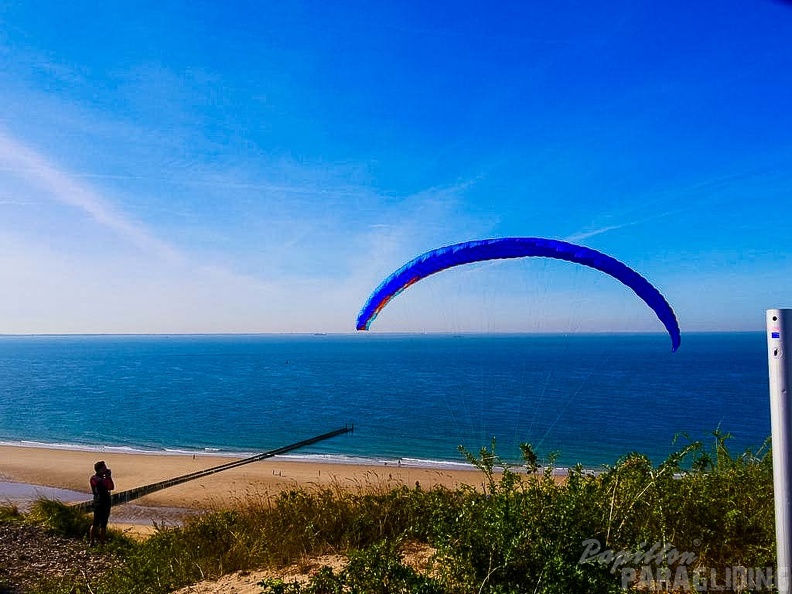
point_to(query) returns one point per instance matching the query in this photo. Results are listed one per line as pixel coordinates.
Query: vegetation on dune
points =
(524, 531)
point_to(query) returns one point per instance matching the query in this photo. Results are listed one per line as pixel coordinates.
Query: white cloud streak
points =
(30, 165)
(583, 235)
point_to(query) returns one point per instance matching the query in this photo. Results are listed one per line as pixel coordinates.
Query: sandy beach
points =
(71, 469)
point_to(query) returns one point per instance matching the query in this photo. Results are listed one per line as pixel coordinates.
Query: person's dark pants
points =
(101, 515)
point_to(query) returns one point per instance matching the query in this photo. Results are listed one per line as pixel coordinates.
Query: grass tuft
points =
(59, 518)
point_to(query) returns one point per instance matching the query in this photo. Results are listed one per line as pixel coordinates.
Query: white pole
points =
(779, 353)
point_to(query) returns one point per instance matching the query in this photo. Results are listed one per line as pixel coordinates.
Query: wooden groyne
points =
(132, 494)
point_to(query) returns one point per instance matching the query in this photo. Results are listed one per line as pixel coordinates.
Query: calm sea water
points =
(590, 398)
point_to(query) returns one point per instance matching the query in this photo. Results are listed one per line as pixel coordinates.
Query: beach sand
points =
(71, 469)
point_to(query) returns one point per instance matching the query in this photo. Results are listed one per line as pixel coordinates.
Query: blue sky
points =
(261, 167)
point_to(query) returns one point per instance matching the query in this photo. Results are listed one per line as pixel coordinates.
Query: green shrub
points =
(525, 531)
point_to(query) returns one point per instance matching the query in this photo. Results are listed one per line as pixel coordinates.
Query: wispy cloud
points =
(699, 194)
(15, 203)
(35, 168)
(589, 233)
(593, 232)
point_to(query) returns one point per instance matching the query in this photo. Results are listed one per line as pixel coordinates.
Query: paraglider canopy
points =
(516, 247)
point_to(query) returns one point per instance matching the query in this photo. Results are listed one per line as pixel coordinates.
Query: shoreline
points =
(230, 455)
(227, 455)
(70, 469)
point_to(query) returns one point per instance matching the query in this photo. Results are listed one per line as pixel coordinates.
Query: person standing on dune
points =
(101, 485)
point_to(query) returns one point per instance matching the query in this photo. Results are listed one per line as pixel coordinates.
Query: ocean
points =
(586, 399)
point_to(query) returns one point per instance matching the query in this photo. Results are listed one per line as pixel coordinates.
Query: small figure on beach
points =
(101, 485)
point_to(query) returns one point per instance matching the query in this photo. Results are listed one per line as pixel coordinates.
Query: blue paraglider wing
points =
(516, 247)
